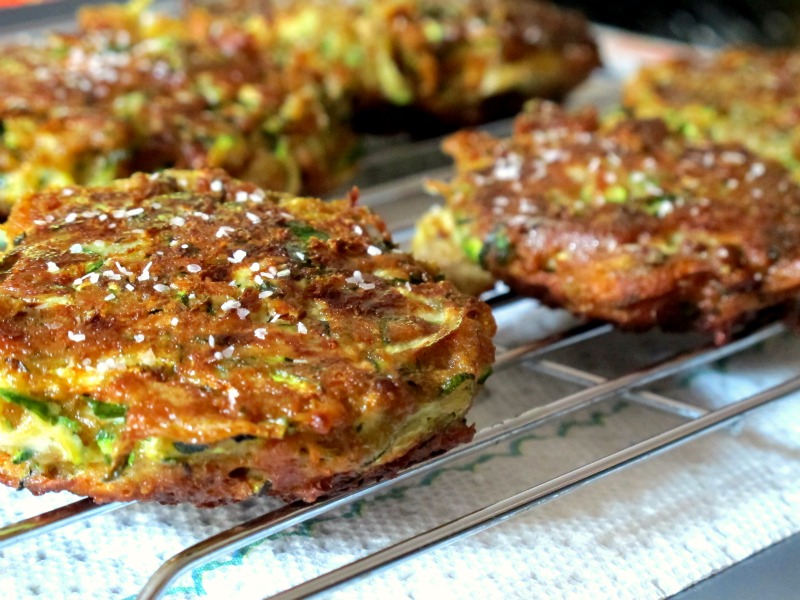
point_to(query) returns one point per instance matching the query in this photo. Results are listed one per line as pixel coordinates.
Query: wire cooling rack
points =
(553, 374)
(546, 368)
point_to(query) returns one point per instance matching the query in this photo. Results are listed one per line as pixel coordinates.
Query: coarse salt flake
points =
(160, 287)
(374, 251)
(260, 333)
(177, 221)
(76, 249)
(76, 337)
(356, 278)
(508, 167)
(302, 328)
(145, 273)
(230, 304)
(52, 267)
(194, 268)
(123, 270)
(237, 257)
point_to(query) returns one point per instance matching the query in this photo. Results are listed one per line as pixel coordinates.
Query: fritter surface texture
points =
(138, 91)
(449, 63)
(626, 222)
(187, 337)
(271, 92)
(750, 96)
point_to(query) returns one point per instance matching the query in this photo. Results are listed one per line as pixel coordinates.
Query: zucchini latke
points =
(134, 90)
(745, 95)
(621, 220)
(185, 337)
(446, 63)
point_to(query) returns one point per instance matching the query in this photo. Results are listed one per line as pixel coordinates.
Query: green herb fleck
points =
(305, 231)
(617, 194)
(108, 410)
(454, 382)
(473, 248)
(105, 442)
(22, 456)
(95, 266)
(41, 409)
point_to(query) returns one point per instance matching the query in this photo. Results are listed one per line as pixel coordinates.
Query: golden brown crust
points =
(744, 95)
(627, 223)
(223, 481)
(430, 65)
(135, 92)
(269, 95)
(194, 322)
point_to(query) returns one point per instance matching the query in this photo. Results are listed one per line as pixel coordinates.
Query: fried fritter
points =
(271, 95)
(188, 337)
(625, 222)
(445, 63)
(750, 96)
(133, 90)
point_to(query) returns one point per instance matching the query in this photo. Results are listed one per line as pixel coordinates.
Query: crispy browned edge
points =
(214, 484)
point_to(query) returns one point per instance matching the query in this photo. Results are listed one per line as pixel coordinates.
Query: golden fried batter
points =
(446, 63)
(750, 96)
(139, 91)
(626, 222)
(187, 337)
(271, 95)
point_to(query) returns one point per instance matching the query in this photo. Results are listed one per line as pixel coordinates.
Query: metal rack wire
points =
(696, 421)
(393, 199)
(399, 202)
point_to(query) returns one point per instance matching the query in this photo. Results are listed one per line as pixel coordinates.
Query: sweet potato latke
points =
(188, 337)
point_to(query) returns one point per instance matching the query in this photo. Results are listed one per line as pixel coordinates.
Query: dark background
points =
(707, 22)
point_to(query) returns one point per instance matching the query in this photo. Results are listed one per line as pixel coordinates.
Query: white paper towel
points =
(645, 532)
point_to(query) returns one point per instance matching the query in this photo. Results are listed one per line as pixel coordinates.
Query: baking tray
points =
(570, 405)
